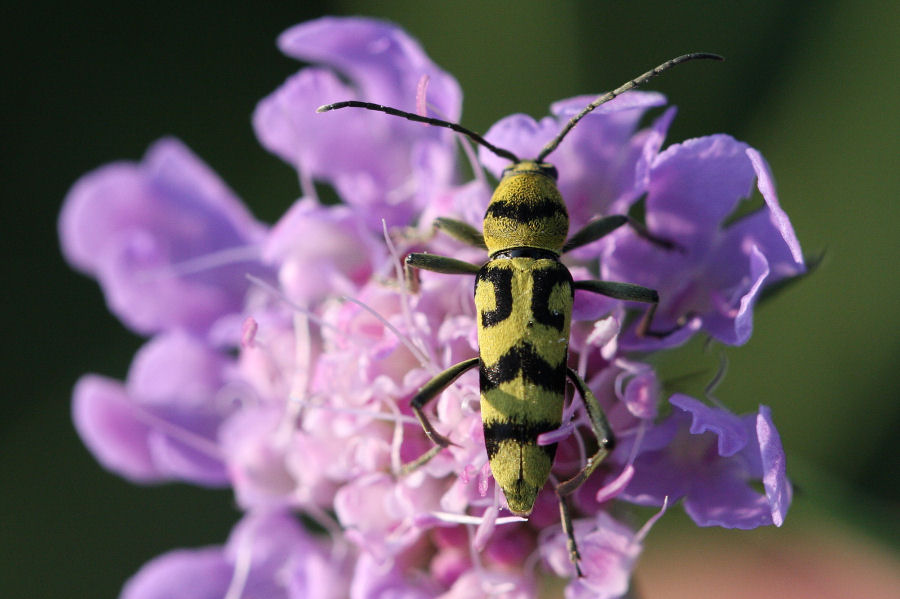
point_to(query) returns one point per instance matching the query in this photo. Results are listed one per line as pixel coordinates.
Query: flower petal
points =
(104, 417)
(774, 477)
(731, 319)
(322, 252)
(608, 552)
(167, 240)
(382, 60)
(597, 160)
(693, 186)
(163, 423)
(725, 425)
(380, 163)
(722, 497)
(779, 218)
(185, 574)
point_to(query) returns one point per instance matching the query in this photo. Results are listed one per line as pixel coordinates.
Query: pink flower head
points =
(283, 359)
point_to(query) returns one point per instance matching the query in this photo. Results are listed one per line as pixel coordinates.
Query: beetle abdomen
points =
(524, 310)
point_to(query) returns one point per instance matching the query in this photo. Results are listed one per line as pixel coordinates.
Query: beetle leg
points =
(429, 391)
(435, 263)
(569, 531)
(594, 230)
(602, 431)
(597, 229)
(460, 231)
(632, 293)
(605, 442)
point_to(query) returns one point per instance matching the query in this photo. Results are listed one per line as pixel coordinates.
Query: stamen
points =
(645, 529)
(301, 370)
(639, 438)
(396, 439)
(272, 290)
(416, 338)
(189, 438)
(484, 480)
(302, 355)
(217, 259)
(243, 561)
(716, 381)
(616, 486)
(484, 530)
(340, 547)
(373, 414)
(307, 187)
(248, 332)
(475, 556)
(555, 436)
(421, 94)
(418, 355)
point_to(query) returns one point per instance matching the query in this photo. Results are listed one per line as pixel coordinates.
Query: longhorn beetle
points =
(524, 296)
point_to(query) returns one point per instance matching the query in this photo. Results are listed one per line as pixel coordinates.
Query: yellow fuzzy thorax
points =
(526, 210)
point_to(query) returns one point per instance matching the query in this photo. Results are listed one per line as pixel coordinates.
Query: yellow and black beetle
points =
(524, 297)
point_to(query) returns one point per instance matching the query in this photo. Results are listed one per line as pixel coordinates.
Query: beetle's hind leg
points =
(600, 427)
(605, 443)
(566, 519)
(429, 391)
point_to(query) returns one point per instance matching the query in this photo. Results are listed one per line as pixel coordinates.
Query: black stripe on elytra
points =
(523, 433)
(526, 212)
(544, 281)
(522, 358)
(501, 279)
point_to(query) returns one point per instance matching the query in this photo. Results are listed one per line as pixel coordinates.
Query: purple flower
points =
(381, 166)
(283, 359)
(714, 278)
(609, 549)
(167, 240)
(710, 457)
(162, 424)
(267, 555)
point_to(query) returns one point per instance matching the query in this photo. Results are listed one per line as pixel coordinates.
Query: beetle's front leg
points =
(460, 231)
(597, 229)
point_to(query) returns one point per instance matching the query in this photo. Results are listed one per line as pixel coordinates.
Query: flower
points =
(282, 359)
(167, 240)
(716, 276)
(709, 456)
(267, 555)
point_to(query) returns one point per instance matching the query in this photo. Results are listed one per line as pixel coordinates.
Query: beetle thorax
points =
(526, 210)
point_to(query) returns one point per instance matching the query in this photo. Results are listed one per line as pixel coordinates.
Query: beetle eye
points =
(550, 171)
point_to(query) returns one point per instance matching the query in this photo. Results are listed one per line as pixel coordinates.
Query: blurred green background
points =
(814, 86)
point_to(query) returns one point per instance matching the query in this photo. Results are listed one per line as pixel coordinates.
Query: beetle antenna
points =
(422, 119)
(620, 90)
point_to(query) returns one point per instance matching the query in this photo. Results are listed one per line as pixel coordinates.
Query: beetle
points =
(524, 297)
